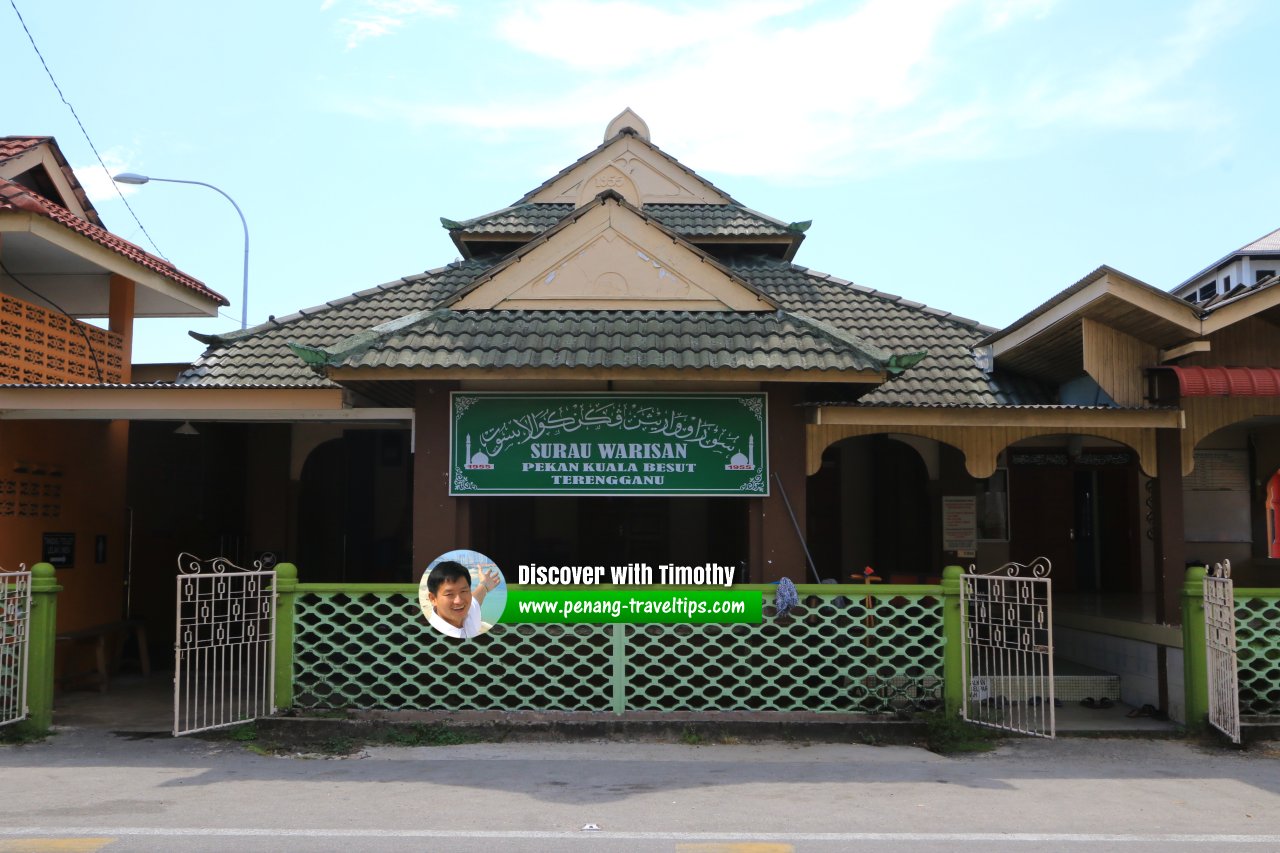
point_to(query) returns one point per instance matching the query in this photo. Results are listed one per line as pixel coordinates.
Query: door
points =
(1042, 519)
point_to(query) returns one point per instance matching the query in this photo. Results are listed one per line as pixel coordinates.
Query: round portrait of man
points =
(462, 594)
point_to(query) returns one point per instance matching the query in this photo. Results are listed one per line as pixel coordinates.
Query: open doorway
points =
(1079, 507)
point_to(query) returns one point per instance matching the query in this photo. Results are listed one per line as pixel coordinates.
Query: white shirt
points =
(470, 625)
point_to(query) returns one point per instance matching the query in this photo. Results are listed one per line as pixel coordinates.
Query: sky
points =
(977, 156)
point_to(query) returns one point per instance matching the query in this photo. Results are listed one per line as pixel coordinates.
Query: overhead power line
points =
(107, 171)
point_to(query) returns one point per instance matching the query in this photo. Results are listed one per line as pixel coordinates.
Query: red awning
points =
(1228, 381)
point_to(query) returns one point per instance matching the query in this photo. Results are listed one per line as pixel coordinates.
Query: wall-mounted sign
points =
(59, 550)
(960, 525)
(608, 444)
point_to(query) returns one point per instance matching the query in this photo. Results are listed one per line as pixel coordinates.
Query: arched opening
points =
(872, 503)
(354, 509)
(1231, 500)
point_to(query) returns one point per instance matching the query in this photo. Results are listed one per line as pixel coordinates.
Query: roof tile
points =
(17, 198)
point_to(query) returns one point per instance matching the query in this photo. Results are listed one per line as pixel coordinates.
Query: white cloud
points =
(1129, 91)
(792, 90)
(375, 18)
(607, 36)
(998, 14)
(97, 182)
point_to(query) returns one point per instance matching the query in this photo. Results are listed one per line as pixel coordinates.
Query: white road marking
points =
(516, 834)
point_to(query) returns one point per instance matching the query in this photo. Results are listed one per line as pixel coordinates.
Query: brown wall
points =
(776, 550)
(441, 522)
(74, 482)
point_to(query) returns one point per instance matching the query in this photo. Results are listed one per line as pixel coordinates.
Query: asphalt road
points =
(88, 790)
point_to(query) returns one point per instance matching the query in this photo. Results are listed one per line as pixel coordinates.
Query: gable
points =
(610, 257)
(36, 164)
(635, 170)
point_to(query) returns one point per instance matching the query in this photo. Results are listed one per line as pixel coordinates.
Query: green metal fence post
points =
(43, 638)
(619, 668)
(1195, 665)
(953, 641)
(286, 590)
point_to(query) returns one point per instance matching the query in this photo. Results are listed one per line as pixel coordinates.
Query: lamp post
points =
(136, 179)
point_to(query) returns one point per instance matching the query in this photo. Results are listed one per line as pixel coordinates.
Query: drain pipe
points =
(796, 525)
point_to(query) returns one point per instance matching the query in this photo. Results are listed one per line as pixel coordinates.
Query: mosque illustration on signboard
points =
(738, 462)
(478, 461)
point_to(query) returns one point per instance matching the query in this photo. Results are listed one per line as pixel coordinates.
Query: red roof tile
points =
(15, 197)
(12, 146)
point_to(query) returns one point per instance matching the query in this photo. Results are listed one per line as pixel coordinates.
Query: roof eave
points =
(1073, 299)
(595, 374)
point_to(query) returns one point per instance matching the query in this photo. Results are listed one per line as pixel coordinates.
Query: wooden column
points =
(120, 319)
(776, 549)
(439, 521)
(1170, 550)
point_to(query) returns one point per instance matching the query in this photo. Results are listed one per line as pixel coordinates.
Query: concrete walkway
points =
(135, 704)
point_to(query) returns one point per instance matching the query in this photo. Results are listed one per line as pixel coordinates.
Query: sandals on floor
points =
(1148, 711)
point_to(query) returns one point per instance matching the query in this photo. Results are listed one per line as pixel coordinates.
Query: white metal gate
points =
(1007, 662)
(15, 635)
(1220, 650)
(224, 667)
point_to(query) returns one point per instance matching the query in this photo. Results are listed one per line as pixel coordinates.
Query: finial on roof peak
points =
(627, 118)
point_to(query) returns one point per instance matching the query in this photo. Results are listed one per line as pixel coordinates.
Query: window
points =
(1226, 284)
(1263, 275)
(1208, 291)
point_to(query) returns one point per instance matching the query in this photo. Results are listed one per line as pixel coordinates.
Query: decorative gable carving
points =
(656, 178)
(612, 258)
(611, 177)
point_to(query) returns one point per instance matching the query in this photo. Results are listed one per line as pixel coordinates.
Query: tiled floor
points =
(1073, 717)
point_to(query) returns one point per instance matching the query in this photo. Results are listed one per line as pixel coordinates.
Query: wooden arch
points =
(981, 445)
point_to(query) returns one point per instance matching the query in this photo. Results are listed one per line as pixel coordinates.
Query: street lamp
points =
(135, 178)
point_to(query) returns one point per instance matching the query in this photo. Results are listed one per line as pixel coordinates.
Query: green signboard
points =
(608, 444)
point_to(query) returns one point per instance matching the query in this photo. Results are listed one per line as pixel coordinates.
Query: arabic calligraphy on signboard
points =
(682, 444)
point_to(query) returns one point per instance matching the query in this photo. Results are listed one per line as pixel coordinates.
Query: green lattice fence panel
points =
(831, 653)
(1258, 650)
(373, 650)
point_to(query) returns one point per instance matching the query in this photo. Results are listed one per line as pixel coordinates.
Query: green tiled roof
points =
(688, 220)
(947, 376)
(517, 220)
(260, 355)
(607, 339)
(815, 306)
